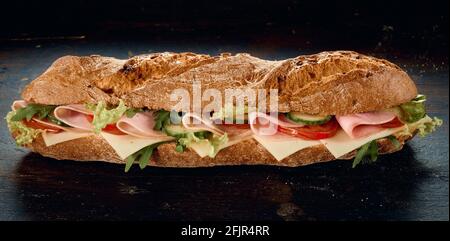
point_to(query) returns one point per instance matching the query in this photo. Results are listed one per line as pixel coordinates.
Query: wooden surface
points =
(409, 185)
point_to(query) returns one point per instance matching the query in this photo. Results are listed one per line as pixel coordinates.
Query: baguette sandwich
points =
(331, 105)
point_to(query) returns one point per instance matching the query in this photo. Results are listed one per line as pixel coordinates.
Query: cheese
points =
(341, 143)
(125, 145)
(202, 148)
(55, 138)
(284, 147)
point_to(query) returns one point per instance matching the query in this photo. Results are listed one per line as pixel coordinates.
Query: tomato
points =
(37, 125)
(393, 123)
(238, 126)
(312, 132)
(110, 128)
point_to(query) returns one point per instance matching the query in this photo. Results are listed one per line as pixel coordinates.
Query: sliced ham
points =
(21, 104)
(75, 115)
(267, 125)
(140, 125)
(364, 124)
(189, 122)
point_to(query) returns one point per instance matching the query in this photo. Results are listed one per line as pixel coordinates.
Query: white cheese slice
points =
(202, 148)
(341, 143)
(281, 149)
(125, 145)
(55, 138)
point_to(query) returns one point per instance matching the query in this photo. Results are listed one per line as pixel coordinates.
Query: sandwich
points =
(328, 106)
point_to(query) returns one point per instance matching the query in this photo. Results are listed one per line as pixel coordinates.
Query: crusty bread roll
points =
(328, 83)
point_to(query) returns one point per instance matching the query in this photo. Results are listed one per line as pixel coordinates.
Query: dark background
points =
(409, 185)
(383, 26)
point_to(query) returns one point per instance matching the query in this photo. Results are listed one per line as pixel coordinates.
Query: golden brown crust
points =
(95, 148)
(339, 82)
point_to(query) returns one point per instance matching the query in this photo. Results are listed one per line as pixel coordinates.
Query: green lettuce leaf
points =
(414, 110)
(162, 117)
(428, 125)
(25, 135)
(368, 151)
(142, 156)
(37, 111)
(132, 112)
(104, 116)
(424, 126)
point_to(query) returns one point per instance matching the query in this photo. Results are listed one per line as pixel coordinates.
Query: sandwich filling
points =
(135, 133)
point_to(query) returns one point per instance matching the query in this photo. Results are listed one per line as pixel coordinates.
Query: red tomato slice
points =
(239, 126)
(110, 128)
(36, 125)
(393, 123)
(312, 132)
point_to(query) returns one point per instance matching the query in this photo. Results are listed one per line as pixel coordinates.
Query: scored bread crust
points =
(95, 148)
(327, 83)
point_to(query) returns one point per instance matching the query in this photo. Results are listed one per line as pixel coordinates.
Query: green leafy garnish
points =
(394, 141)
(143, 157)
(162, 117)
(29, 111)
(130, 112)
(369, 150)
(37, 111)
(104, 116)
(428, 125)
(414, 110)
(180, 148)
(24, 134)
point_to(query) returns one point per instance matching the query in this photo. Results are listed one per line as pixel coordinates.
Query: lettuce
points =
(25, 135)
(209, 147)
(104, 116)
(414, 110)
(229, 113)
(370, 149)
(143, 156)
(427, 125)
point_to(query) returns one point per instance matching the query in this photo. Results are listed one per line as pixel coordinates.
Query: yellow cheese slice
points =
(55, 138)
(341, 143)
(281, 149)
(125, 145)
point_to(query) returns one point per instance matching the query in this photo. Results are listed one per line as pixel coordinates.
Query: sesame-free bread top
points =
(337, 82)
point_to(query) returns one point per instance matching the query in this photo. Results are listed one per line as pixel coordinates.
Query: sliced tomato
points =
(110, 128)
(239, 126)
(393, 123)
(37, 125)
(312, 132)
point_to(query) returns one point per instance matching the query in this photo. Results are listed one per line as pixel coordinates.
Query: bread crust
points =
(95, 148)
(328, 83)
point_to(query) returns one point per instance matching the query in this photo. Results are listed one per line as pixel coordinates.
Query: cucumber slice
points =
(308, 119)
(175, 130)
(179, 131)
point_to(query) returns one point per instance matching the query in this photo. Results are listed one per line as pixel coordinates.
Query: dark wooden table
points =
(409, 185)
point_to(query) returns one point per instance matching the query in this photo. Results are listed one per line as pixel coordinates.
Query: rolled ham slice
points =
(188, 121)
(364, 124)
(75, 115)
(263, 124)
(21, 104)
(140, 125)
